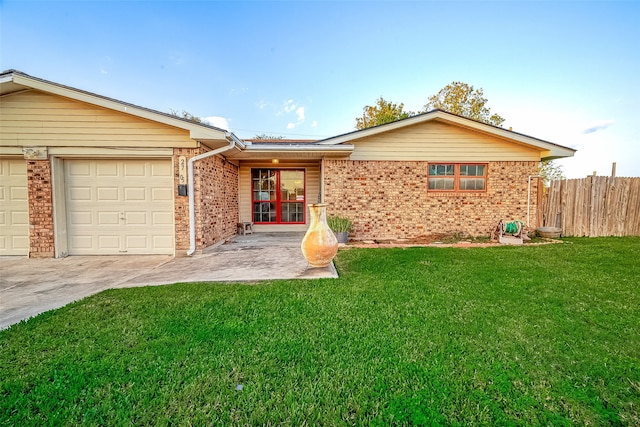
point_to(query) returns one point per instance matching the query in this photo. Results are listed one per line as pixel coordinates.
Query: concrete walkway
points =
(32, 286)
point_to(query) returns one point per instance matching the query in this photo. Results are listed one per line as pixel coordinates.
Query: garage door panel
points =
(135, 169)
(137, 242)
(106, 169)
(80, 218)
(108, 218)
(107, 193)
(165, 194)
(79, 169)
(158, 170)
(109, 243)
(115, 208)
(79, 193)
(135, 194)
(161, 218)
(14, 207)
(81, 242)
(137, 218)
(20, 218)
(19, 193)
(162, 242)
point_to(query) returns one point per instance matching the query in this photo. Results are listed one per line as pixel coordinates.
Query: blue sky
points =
(566, 72)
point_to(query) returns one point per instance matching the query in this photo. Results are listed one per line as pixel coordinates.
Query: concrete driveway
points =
(32, 286)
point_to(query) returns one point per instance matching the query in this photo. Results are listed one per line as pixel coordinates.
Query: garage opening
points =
(116, 207)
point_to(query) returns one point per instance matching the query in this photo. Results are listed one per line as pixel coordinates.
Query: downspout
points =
(192, 198)
(529, 196)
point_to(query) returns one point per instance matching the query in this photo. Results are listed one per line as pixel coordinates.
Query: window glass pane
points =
(471, 183)
(471, 170)
(440, 183)
(441, 170)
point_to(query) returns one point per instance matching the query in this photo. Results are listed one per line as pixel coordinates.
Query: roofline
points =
(198, 131)
(553, 150)
(300, 147)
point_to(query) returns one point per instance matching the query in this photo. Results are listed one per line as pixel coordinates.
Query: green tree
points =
(462, 99)
(187, 116)
(380, 113)
(550, 171)
(267, 137)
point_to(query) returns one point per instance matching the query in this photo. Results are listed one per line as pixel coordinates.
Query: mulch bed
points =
(436, 240)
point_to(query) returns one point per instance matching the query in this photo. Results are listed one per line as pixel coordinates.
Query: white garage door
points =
(119, 207)
(14, 207)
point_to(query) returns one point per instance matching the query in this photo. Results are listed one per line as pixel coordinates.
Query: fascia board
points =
(299, 148)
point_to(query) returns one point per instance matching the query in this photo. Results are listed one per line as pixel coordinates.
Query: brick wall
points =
(218, 213)
(181, 204)
(41, 233)
(216, 201)
(389, 200)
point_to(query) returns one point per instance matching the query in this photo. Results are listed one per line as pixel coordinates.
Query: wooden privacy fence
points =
(593, 206)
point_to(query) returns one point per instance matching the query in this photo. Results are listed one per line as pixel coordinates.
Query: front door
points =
(278, 196)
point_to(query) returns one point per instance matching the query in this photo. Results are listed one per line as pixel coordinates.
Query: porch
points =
(30, 286)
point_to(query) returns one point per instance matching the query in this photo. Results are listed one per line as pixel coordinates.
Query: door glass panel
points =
(292, 212)
(264, 212)
(291, 185)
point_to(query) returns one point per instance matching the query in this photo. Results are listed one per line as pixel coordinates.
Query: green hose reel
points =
(510, 232)
(514, 227)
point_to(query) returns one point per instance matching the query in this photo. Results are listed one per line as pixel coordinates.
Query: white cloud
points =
(598, 125)
(219, 122)
(262, 104)
(177, 58)
(289, 106)
(300, 114)
(314, 124)
(291, 125)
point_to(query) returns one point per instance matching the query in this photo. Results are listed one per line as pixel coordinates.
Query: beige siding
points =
(37, 118)
(436, 141)
(312, 176)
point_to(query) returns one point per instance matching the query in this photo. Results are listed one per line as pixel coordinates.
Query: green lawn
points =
(538, 335)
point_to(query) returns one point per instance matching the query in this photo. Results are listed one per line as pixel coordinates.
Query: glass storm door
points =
(278, 196)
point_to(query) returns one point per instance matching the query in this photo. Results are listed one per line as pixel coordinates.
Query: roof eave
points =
(548, 149)
(343, 148)
(197, 132)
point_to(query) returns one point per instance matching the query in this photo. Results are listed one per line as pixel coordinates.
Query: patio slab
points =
(32, 286)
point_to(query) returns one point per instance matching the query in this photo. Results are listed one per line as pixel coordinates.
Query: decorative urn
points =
(319, 244)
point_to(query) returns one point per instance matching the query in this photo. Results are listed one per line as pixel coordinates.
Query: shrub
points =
(339, 224)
